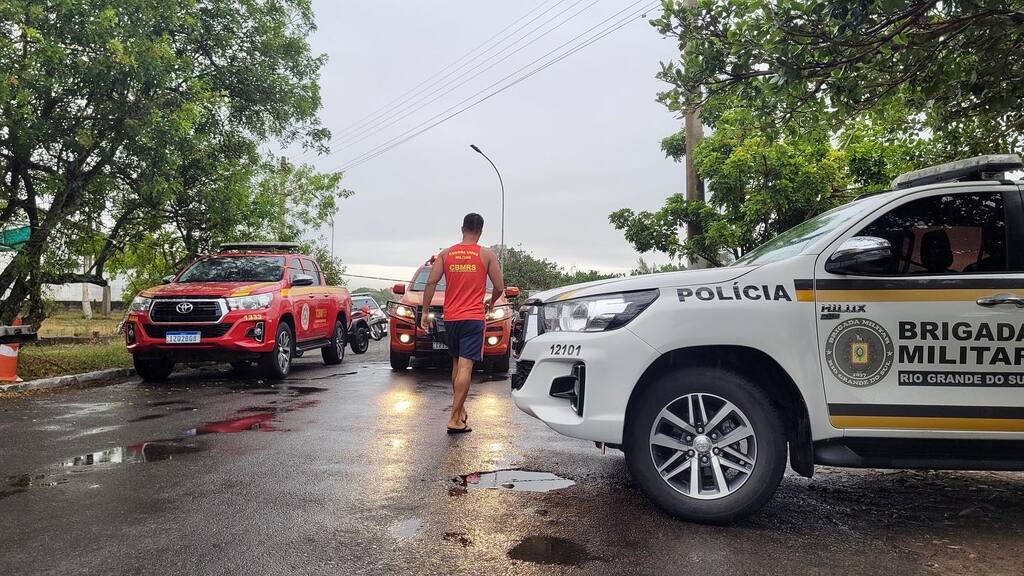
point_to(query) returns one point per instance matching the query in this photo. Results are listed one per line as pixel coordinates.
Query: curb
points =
(59, 381)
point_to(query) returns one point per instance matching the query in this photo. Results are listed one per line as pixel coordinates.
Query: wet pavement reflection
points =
(516, 480)
(351, 472)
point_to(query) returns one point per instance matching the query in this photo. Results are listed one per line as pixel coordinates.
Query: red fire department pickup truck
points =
(408, 340)
(251, 302)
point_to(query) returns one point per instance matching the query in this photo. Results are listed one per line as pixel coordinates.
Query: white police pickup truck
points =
(886, 333)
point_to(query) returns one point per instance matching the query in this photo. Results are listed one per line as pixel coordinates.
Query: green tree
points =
(529, 273)
(764, 181)
(270, 201)
(99, 99)
(643, 267)
(956, 64)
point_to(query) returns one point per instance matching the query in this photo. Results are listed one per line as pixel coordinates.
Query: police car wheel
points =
(706, 444)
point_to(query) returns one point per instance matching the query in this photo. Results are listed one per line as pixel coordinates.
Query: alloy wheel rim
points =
(284, 350)
(703, 446)
(339, 340)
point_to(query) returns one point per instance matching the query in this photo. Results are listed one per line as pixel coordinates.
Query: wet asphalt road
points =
(348, 470)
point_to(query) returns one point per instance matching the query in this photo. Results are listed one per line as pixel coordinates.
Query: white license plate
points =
(182, 338)
(440, 346)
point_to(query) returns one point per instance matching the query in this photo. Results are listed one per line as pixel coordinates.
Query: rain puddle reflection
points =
(249, 419)
(405, 529)
(551, 550)
(515, 480)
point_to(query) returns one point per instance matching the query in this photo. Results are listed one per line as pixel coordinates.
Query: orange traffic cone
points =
(9, 360)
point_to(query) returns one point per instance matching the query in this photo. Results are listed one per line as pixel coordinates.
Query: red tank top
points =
(465, 277)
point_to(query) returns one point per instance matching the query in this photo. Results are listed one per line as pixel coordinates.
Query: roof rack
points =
(988, 167)
(259, 247)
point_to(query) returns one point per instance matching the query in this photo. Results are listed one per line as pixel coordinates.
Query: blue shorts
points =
(465, 338)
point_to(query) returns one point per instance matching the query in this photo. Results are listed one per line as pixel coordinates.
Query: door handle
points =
(998, 299)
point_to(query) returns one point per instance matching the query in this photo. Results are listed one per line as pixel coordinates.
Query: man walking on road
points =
(466, 267)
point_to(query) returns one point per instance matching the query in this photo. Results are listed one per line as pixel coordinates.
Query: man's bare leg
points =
(463, 372)
(455, 376)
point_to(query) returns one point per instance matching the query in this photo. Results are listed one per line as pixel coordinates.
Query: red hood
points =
(210, 289)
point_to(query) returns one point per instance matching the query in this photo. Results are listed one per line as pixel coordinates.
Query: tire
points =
(334, 353)
(152, 370)
(277, 363)
(400, 361)
(500, 365)
(377, 332)
(751, 411)
(360, 340)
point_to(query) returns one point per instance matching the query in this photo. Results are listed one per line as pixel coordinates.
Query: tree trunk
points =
(86, 299)
(106, 302)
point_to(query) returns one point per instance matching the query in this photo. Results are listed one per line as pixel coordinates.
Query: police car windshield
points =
(236, 269)
(793, 241)
(420, 282)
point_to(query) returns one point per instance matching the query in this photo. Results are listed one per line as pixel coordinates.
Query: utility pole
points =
(694, 134)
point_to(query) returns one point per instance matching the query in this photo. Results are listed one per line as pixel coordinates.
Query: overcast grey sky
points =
(574, 142)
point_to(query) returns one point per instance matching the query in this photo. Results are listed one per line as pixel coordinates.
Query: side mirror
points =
(860, 255)
(398, 288)
(302, 280)
(511, 291)
(168, 279)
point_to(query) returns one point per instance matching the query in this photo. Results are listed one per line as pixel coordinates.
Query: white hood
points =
(645, 282)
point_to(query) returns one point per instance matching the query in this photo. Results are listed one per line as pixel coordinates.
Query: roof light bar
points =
(988, 167)
(259, 247)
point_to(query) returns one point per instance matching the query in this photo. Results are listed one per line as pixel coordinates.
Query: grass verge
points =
(67, 325)
(36, 362)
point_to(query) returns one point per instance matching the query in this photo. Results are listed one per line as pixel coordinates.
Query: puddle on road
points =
(405, 529)
(253, 419)
(551, 550)
(514, 480)
(459, 537)
(167, 402)
(146, 417)
(302, 390)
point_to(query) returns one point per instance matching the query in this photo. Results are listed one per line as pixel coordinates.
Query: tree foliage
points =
(270, 201)
(764, 181)
(529, 273)
(957, 63)
(812, 103)
(119, 118)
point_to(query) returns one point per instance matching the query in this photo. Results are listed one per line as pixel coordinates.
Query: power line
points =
(412, 92)
(418, 103)
(427, 125)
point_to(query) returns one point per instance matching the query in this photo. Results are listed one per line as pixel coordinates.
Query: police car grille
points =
(202, 311)
(523, 368)
(205, 331)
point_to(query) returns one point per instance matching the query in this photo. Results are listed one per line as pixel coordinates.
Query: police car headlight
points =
(256, 302)
(141, 304)
(595, 313)
(497, 314)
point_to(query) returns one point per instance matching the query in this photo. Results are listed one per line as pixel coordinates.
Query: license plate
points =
(182, 338)
(440, 346)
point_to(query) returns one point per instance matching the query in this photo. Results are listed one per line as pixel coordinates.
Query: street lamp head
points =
(473, 146)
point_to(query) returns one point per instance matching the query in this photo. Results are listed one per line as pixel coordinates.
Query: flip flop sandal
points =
(462, 430)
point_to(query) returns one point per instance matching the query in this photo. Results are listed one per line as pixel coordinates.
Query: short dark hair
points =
(473, 222)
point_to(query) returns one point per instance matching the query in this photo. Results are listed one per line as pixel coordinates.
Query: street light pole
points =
(502, 184)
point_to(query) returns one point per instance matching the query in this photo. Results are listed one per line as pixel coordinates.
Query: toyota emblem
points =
(184, 308)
